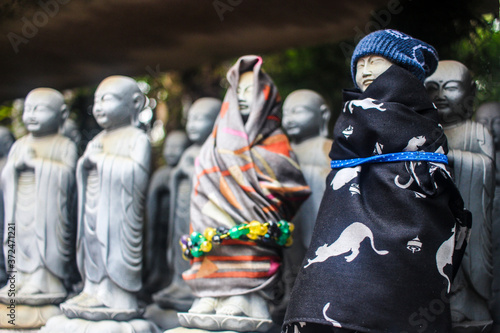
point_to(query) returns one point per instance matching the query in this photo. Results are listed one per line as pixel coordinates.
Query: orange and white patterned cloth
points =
(245, 171)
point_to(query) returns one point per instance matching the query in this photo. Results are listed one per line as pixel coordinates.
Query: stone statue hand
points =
(93, 154)
(27, 159)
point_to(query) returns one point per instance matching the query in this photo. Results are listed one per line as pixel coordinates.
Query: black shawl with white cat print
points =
(381, 255)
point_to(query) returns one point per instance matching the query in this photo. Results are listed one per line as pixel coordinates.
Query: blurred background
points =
(181, 50)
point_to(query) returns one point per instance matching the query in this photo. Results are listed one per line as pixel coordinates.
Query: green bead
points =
(282, 240)
(235, 233)
(196, 252)
(195, 236)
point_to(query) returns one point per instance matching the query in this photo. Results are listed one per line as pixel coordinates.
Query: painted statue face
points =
(489, 115)
(450, 90)
(369, 68)
(112, 104)
(43, 112)
(302, 116)
(245, 93)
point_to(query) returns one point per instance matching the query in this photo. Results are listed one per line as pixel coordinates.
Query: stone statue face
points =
(44, 112)
(245, 93)
(303, 115)
(488, 114)
(117, 101)
(369, 68)
(452, 91)
(201, 119)
(175, 144)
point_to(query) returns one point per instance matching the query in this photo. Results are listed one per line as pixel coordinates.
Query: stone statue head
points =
(368, 68)
(175, 144)
(305, 115)
(245, 93)
(44, 111)
(201, 118)
(71, 131)
(6, 141)
(452, 90)
(117, 102)
(488, 114)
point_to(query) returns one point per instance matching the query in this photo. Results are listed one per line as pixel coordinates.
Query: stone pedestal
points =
(26, 316)
(193, 330)
(62, 324)
(164, 318)
(219, 323)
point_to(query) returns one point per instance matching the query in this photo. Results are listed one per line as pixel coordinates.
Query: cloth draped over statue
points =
(42, 205)
(245, 171)
(388, 235)
(110, 208)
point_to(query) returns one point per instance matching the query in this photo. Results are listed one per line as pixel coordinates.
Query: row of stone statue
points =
(67, 218)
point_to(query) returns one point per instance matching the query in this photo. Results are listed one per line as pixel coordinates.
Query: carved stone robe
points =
(40, 202)
(111, 200)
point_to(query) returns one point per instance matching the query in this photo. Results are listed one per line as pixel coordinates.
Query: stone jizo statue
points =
(39, 186)
(200, 123)
(6, 141)
(112, 178)
(305, 120)
(471, 155)
(246, 177)
(158, 212)
(488, 114)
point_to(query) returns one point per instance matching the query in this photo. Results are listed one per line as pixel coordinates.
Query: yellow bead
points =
(262, 230)
(254, 227)
(291, 227)
(289, 241)
(209, 233)
(206, 246)
(252, 236)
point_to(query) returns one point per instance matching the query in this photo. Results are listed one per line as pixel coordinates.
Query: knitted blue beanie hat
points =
(418, 57)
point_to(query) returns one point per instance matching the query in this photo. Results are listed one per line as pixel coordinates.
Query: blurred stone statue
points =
(71, 131)
(6, 141)
(471, 156)
(39, 193)
(305, 120)
(112, 177)
(158, 212)
(200, 122)
(488, 114)
(38, 182)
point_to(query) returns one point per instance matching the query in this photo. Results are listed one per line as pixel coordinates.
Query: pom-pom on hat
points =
(418, 57)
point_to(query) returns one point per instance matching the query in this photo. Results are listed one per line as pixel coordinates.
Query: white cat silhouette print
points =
(415, 143)
(365, 104)
(333, 322)
(344, 176)
(444, 256)
(349, 241)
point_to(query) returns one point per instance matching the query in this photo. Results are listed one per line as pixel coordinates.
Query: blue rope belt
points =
(394, 157)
